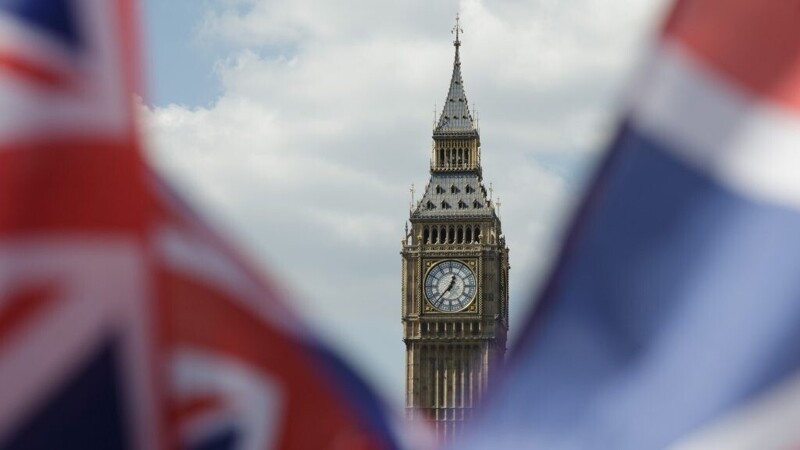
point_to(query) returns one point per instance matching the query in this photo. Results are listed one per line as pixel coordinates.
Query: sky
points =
(298, 127)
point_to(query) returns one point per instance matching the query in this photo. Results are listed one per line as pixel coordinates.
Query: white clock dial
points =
(450, 286)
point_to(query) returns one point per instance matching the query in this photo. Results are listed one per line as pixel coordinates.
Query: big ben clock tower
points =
(455, 276)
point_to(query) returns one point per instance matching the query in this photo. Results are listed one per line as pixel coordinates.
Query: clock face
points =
(450, 286)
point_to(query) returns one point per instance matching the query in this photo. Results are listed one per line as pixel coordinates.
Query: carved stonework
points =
(455, 333)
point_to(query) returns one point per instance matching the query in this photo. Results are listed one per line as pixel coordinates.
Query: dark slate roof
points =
(453, 195)
(456, 118)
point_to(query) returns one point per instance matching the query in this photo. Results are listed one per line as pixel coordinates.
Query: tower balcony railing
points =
(455, 166)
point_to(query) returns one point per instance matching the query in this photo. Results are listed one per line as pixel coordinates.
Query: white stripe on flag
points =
(745, 142)
(99, 287)
(96, 102)
(190, 253)
(769, 423)
(250, 400)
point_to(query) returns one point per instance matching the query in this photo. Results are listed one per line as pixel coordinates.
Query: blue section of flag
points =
(56, 17)
(675, 300)
(86, 412)
(227, 439)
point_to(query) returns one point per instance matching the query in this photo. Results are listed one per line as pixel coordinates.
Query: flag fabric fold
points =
(671, 316)
(125, 321)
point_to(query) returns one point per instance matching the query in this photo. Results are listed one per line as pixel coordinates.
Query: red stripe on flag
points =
(197, 406)
(754, 42)
(21, 305)
(81, 185)
(198, 316)
(32, 72)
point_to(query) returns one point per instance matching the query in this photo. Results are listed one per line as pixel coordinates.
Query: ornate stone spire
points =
(456, 118)
(455, 235)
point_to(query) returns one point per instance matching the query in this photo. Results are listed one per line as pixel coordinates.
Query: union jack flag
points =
(126, 322)
(671, 316)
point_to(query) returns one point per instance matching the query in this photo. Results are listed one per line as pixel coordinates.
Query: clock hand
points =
(452, 283)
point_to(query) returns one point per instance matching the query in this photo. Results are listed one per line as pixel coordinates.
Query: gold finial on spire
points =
(457, 30)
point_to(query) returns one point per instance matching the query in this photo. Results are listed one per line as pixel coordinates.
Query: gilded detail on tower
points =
(455, 276)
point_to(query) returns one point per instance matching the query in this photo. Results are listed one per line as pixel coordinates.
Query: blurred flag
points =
(672, 317)
(124, 321)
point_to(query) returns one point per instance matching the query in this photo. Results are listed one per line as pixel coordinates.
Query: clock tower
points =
(455, 276)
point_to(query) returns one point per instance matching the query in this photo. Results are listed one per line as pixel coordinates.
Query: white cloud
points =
(325, 121)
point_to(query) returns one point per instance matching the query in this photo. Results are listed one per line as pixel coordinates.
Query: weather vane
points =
(457, 29)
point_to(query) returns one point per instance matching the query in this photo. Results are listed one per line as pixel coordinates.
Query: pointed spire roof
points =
(456, 118)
